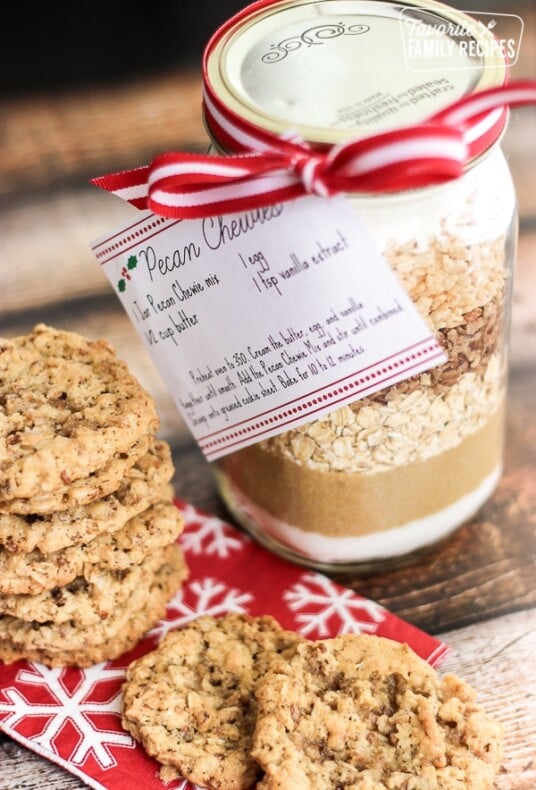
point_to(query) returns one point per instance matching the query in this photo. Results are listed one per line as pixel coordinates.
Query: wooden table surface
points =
(477, 591)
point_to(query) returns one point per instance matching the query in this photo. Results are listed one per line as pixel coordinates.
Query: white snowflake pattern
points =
(326, 600)
(208, 535)
(203, 596)
(73, 706)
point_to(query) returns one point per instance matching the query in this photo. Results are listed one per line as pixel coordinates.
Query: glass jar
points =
(384, 478)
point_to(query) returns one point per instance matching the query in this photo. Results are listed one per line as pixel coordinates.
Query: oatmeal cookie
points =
(33, 573)
(86, 600)
(365, 712)
(67, 644)
(67, 406)
(190, 702)
(141, 486)
(83, 491)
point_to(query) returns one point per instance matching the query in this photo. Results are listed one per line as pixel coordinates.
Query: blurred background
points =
(62, 45)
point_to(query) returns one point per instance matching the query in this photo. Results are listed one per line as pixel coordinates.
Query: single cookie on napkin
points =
(365, 711)
(191, 704)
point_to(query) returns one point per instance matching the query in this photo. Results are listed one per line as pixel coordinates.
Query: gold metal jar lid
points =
(330, 70)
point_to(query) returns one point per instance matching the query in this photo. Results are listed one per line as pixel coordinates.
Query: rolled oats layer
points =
(372, 436)
(449, 278)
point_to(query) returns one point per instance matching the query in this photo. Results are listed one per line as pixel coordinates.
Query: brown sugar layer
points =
(342, 504)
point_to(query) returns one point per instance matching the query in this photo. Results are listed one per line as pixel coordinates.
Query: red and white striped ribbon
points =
(269, 169)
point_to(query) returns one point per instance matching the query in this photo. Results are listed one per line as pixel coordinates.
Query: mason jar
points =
(386, 477)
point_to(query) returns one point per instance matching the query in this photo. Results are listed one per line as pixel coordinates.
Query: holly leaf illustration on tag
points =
(132, 263)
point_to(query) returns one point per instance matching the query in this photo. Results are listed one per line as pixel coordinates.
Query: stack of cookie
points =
(88, 528)
(232, 701)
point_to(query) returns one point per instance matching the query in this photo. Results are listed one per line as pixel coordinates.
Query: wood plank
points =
(23, 770)
(68, 137)
(523, 321)
(519, 142)
(45, 248)
(496, 658)
(519, 146)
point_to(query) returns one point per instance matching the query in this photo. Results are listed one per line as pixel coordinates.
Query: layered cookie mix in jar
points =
(386, 476)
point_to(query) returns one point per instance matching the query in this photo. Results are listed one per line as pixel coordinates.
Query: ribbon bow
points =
(189, 186)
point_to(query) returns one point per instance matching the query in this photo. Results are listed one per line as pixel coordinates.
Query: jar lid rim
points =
(229, 104)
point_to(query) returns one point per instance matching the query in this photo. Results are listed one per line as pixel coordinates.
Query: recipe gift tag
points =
(262, 321)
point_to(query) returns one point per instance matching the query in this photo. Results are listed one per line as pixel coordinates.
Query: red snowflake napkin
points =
(72, 716)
